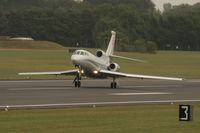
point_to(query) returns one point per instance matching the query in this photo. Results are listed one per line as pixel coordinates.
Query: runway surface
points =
(61, 93)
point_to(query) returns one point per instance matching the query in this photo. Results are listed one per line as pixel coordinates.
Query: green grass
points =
(171, 63)
(14, 61)
(139, 119)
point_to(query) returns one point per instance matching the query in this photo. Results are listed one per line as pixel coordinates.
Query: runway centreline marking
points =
(66, 88)
(138, 94)
(96, 103)
(153, 86)
(193, 81)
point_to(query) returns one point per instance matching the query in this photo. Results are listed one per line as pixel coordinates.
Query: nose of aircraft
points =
(74, 59)
(78, 59)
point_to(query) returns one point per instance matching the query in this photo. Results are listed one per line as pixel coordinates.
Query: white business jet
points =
(98, 66)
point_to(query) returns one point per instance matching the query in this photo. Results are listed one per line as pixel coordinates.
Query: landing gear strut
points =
(113, 84)
(77, 82)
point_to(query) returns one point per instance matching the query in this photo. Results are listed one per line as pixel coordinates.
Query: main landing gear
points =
(113, 84)
(77, 84)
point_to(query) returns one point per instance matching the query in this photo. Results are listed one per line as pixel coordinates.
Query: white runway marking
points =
(97, 103)
(193, 81)
(154, 86)
(137, 94)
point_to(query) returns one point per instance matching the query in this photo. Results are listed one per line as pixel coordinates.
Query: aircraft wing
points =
(119, 74)
(68, 72)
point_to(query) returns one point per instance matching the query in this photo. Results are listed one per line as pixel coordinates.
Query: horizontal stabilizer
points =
(126, 58)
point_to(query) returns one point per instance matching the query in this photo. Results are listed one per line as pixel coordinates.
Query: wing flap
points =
(119, 74)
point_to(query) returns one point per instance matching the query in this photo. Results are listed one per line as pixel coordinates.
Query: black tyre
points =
(111, 85)
(114, 85)
(76, 84)
(79, 84)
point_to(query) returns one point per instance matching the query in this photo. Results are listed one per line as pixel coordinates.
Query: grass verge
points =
(139, 119)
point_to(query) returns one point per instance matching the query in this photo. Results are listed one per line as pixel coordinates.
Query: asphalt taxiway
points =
(61, 93)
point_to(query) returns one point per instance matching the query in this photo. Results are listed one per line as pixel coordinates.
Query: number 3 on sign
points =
(184, 112)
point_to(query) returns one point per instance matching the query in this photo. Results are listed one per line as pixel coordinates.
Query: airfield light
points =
(6, 108)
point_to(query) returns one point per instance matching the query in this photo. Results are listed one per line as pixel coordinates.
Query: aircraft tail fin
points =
(111, 44)
(110, 49)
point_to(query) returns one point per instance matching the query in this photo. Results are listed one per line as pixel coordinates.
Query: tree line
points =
(139, 26)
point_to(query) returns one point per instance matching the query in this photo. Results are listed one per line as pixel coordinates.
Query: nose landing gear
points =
(77, 82)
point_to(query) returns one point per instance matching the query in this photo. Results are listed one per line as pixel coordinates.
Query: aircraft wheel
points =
(113, 85)
(79, 84)
(76, 84)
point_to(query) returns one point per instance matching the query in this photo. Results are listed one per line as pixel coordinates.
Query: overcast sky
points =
(159, 3)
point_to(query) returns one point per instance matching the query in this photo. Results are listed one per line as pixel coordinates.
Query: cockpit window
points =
(79, 52)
